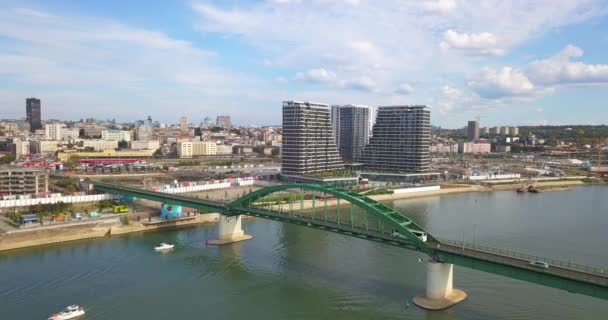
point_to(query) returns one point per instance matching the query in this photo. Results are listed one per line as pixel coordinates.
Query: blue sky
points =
(509, 62)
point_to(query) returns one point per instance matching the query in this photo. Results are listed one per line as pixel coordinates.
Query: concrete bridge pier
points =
(230, 230)
(440, 293)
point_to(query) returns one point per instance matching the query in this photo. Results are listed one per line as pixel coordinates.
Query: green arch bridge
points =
(362, 217)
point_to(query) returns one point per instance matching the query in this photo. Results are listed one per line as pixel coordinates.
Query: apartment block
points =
(308, 141)
(400, 140)
(351, 128)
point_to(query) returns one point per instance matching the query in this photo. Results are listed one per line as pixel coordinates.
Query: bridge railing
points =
(528, 257)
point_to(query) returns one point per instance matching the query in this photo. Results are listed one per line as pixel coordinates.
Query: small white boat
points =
(71, 312)
(164, 246)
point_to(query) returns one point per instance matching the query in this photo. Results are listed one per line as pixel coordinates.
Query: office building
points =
(53, 130)
(183, 124)
(32, 113)
(17, 180)
(351, 127)
(308, 142)
(116, 135)
(224, 122)
(400, 140)
(473, 131)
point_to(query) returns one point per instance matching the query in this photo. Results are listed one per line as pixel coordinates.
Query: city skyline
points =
(126, 61)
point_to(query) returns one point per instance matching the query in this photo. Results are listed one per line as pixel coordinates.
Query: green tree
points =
(6, 159)
(258, 149)
(158, 153)
(123, 144)
(72, 162)
(275, 151)
(216, 129)
(89, 149)
(125, 220)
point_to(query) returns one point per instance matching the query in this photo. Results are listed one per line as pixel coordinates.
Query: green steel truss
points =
(390, 218)
(270, 203)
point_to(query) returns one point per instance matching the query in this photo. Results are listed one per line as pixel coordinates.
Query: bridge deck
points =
(571, 277)
(600, 279)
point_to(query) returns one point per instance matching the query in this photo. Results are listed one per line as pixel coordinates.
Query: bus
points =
(120, 209)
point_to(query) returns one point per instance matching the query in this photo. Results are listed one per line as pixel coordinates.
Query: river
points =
(292, 272)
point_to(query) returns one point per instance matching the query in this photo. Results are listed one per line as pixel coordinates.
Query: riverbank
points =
(36, 237)
(42, 236)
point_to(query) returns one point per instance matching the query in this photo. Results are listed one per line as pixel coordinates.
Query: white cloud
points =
(362, 83)
(484, 43)
(318, 75)
(404, 89)
(440, 6)
(110, 66)
(538, 77)
(450, 92)
(561, 70)
(499, 83)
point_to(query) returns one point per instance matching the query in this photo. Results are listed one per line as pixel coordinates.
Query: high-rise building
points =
(515, 131)
(183, 124)
(473, 130)
(308, 143)
(351, 127)
(32, 113)
(400, 140)
(224, 122)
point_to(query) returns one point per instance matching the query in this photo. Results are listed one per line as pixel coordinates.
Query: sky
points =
(517, 62)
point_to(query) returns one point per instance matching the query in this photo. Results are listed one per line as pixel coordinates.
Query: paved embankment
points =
(41, 236)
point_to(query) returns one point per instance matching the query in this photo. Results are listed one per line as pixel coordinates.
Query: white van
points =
(420, 234)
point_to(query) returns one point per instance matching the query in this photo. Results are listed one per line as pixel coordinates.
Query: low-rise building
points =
(189, 149)
(70, 133)
(16, 180)
(116, 135)
(100, 145)
(503, 148)
(45, 147)
(64, 156)
(474, 147)
(223, 149)
(145, 145)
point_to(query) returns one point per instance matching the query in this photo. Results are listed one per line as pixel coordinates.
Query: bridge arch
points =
(389, 217)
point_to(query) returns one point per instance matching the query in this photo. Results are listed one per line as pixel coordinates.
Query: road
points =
(562, 271)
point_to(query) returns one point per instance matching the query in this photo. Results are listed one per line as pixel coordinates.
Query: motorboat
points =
(71, 312)
(164, 247)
